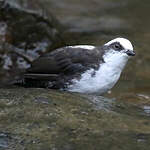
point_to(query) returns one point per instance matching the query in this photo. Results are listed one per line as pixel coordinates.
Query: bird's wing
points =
(67, 60)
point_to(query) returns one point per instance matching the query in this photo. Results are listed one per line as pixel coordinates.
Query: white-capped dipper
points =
(81, 68)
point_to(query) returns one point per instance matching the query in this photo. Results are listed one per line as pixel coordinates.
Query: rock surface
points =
(43, 119)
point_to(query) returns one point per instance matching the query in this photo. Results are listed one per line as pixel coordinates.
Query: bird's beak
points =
(130, 52)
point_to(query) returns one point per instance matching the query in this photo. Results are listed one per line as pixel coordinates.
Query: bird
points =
(81, 68)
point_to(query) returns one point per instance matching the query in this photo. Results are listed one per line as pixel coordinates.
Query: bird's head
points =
(120, 45)
(117, 52)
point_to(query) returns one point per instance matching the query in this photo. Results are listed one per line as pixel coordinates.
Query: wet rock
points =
(48, 119)
(25, 34)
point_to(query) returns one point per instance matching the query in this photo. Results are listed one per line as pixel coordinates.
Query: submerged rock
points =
(24, 35)
(47, 119)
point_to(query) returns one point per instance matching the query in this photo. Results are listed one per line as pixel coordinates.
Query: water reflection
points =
(100, 102)
(3, 141)
(147, 110)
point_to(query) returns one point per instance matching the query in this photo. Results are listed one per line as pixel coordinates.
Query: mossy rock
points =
(43, 119)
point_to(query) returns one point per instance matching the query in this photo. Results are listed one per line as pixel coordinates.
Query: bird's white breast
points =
(105, 77)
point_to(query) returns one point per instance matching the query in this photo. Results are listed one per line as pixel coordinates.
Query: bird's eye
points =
(117, 46)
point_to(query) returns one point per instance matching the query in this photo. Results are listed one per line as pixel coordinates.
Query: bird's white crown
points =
(124, 42)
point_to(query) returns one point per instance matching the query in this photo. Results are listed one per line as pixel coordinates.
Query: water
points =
(3, 141)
